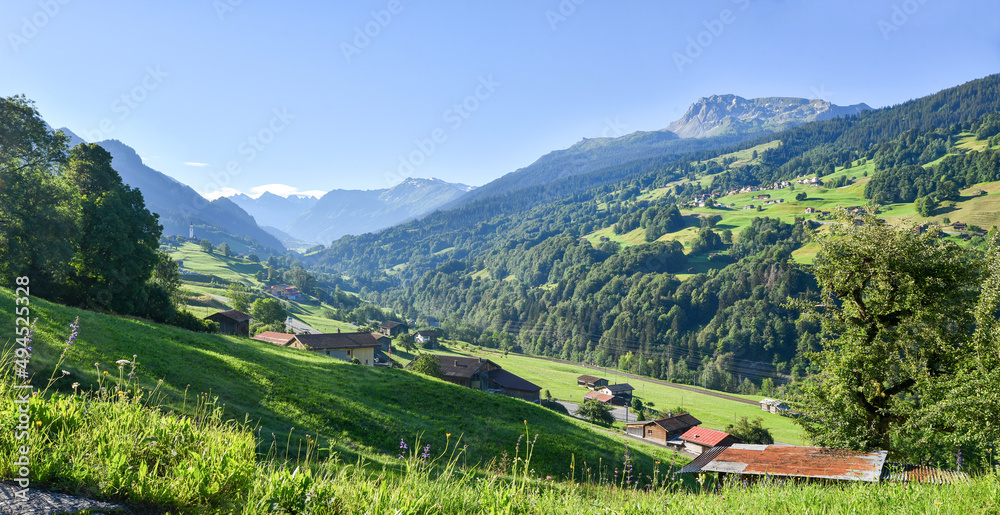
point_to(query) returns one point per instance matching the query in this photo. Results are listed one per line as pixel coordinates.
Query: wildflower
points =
(402, 444)
(447, 435)
(105, 372)
(427, 451)
(76, 385)
(65, 372)
(38, 423)
(74, 326)
(123, 362)
(548, 478)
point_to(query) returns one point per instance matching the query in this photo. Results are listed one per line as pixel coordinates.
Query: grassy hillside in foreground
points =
(360, 410)
(560, 380)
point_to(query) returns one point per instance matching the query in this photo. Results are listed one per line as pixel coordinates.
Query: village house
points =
(282, 339)
(748, 206)
(773, 406)
(393, 329)
(623, 390)
(960, 226)
(591, 382)
(663, 431)
(483, 374)
(699, 439)
(232, 322)
(810, 210)
(605, 398)
(344, 346)
(428, 337)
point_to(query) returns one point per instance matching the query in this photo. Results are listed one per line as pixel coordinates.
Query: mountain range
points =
(710, 123)
(274, 222)
(180, 205)
(342, 212)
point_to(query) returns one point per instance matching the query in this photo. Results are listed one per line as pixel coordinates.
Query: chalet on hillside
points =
(428, 337)
(592, 382)
(344, 346)
(960, 226)
(664, 430)
(623, 390)
(483, 374)
(604, 398)
(699, 439)
(282, 339)
(393, 329)
(232, 322)
(810, 210)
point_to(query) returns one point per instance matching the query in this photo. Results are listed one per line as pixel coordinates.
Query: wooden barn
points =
(483, 374)
(591, 382)
(232, 322)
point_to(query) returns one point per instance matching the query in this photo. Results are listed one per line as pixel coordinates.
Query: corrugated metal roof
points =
(919, 474)
(792, 461)
(695, 466)
(704, 436)
(274, 337)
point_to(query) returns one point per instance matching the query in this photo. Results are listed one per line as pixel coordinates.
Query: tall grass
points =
(115, 442)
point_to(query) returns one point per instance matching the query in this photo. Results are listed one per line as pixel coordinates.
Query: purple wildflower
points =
(75, 326)
(958, 462)
(427, 451)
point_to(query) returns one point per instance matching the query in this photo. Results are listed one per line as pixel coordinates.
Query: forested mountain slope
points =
(514, 269)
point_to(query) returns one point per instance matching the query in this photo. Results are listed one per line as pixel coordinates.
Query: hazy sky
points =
(324, 95)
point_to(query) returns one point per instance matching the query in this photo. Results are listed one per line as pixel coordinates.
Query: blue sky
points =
(240, 93)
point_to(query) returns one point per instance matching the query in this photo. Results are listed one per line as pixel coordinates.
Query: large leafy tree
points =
(37, 210)
(119, 237)
(896, 313)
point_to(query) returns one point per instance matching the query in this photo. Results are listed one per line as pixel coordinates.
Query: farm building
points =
(282, 339)
(591, 382)
(384, 341)
(698, 440)
(393, 329)
(773, 406)
(345, 346)
(232, 322)
(483, 374)
(663, 430)
(751, 462)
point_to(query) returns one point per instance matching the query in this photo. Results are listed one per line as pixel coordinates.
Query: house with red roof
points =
(604, 398)
(699, 439)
